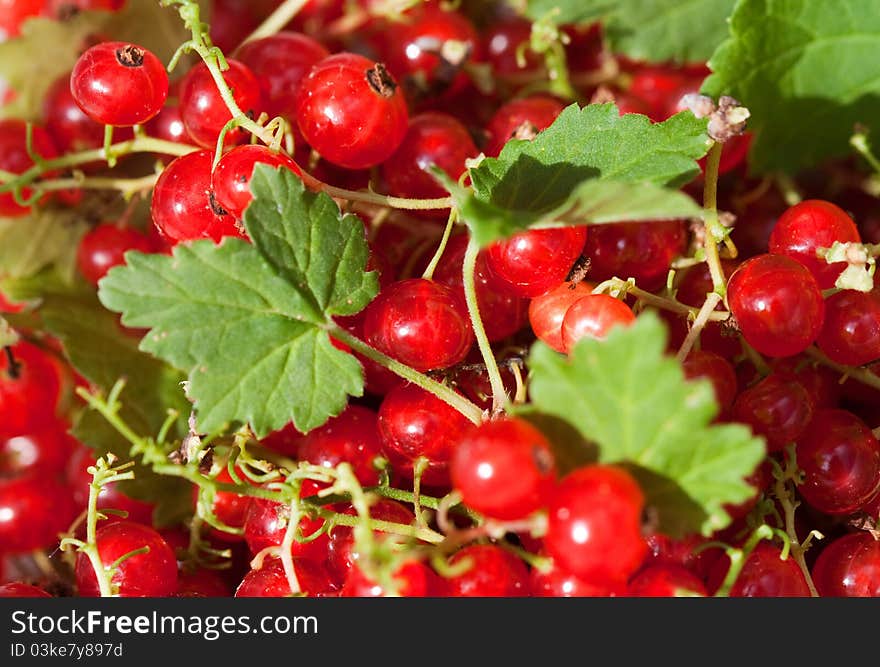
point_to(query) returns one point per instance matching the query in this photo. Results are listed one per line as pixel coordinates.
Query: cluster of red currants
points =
(395, 97)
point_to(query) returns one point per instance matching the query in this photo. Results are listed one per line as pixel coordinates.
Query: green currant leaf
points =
(630, 399)
(250, 328)
(682, 31)
(591, 202)
(41, 239)
(807, 71)
(100, 351)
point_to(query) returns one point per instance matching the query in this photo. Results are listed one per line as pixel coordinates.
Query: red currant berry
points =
(70, 128)
(104, 247)
(149, 574)
(352, 437)
(14, 158)
(13, 14)
(557, 583)
(521, 119)
(666, 581)
(640, 250)
(850, 332)
(117, 83)
(349, 110)
(840, 458)
(413, 424)
(413, 579)
(594, 524)
(20, 590)
(849, 567)
(504, 469)
(821, 383)
(808, 226)
(168, 126)
(531, 263)
(110, 497)
(45, 450)
(547, 311)
(777, 409)
(494, 572)
(29, 390)
(777, 305)
(183, 206)
(34, 509)
(232, 177)
(420, 323)
(201, 583)
(270, 581)
(501, 42)
(593, 316)
(716, 369)
(266, 522)
(764, 575)
(280, 62)
(203, 110)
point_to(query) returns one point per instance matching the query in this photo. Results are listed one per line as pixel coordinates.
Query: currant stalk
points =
(280, 17)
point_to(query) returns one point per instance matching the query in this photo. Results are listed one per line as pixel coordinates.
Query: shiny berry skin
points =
(557, 583)
(19, 590)
(29, 398)
(45, 450)
(593, 316)
(494, 573)
(521, 119)
(204, 112)
(421, 323)
(280, 62)
(777, 305)
(413, 579)
(594, 524)
(547, 311)
(775, 408)
(352, 437)
(14, 158)
(821, 383)
(110, 497)
(265, 524)
(34, 509)
(183, 206)
(13, 13)
(503, 314)
(414, 423)
(432, 138)
(840, 458)
(808, 226)
(168, 125)
(640, 250)
(349, 110)
(531, 263)
(150, 574)
(229, 508)
(270, 581)
(231, 179)
(70, 128)
(764, 575)
(502, 39)
(104, 247)
(850, 332)
(849, 567)
(665, 581)
(504, 468)
(716, 369)
(201, 583)
(118, 83)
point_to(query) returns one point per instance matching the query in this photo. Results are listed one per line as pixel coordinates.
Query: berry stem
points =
(783, 495)
(441, 248)
(859, 141)
(441, 391)
(863, 375)
(375, 198)
(712, 300)
(276, 21)
(499, 396)
(738, 558)
(287, 545)
(715, 231)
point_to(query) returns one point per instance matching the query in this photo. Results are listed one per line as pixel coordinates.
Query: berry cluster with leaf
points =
(402, 298)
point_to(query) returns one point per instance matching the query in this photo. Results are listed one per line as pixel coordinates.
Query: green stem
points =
(279, 18)
(863, 375)
(797, 551)
(715, 231)
(435, 260)
(91, 548)
(124, 185)
(441, 391)
(406, 530)
(377, 199)
(499, 396)
(287, 545)
(712, 300)
(859, 141)
(738, 558)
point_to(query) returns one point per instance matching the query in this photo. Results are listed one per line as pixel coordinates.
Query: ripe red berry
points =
(808, 226)
(349, 110)
(231, 179)
(29, 391)
(45, 450)
(558, 583)
(413, 579)
(270, 581)
(594, 524)
(775, 408)
(546, 312)
(34, 509)
(665, 581)
(849, 566)
(494, 572)
(70, 128)
(13, 13)
(533, 262)
(203, 110)
(777, 305)
(265, 525)
(850, 332)
(420, 323)
(521, 119)
(104, 247)
(150, 574)
(16, 589)
(14, 158)
(840, 458)
(183, 205)
(118, 83)
(764, 575)
(352, 437)
(504, 468)
(716, 369)
(593, 316)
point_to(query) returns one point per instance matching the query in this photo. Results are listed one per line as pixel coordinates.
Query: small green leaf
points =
(250, 328)
(628, 397)
(43, 238)
(807, 71)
